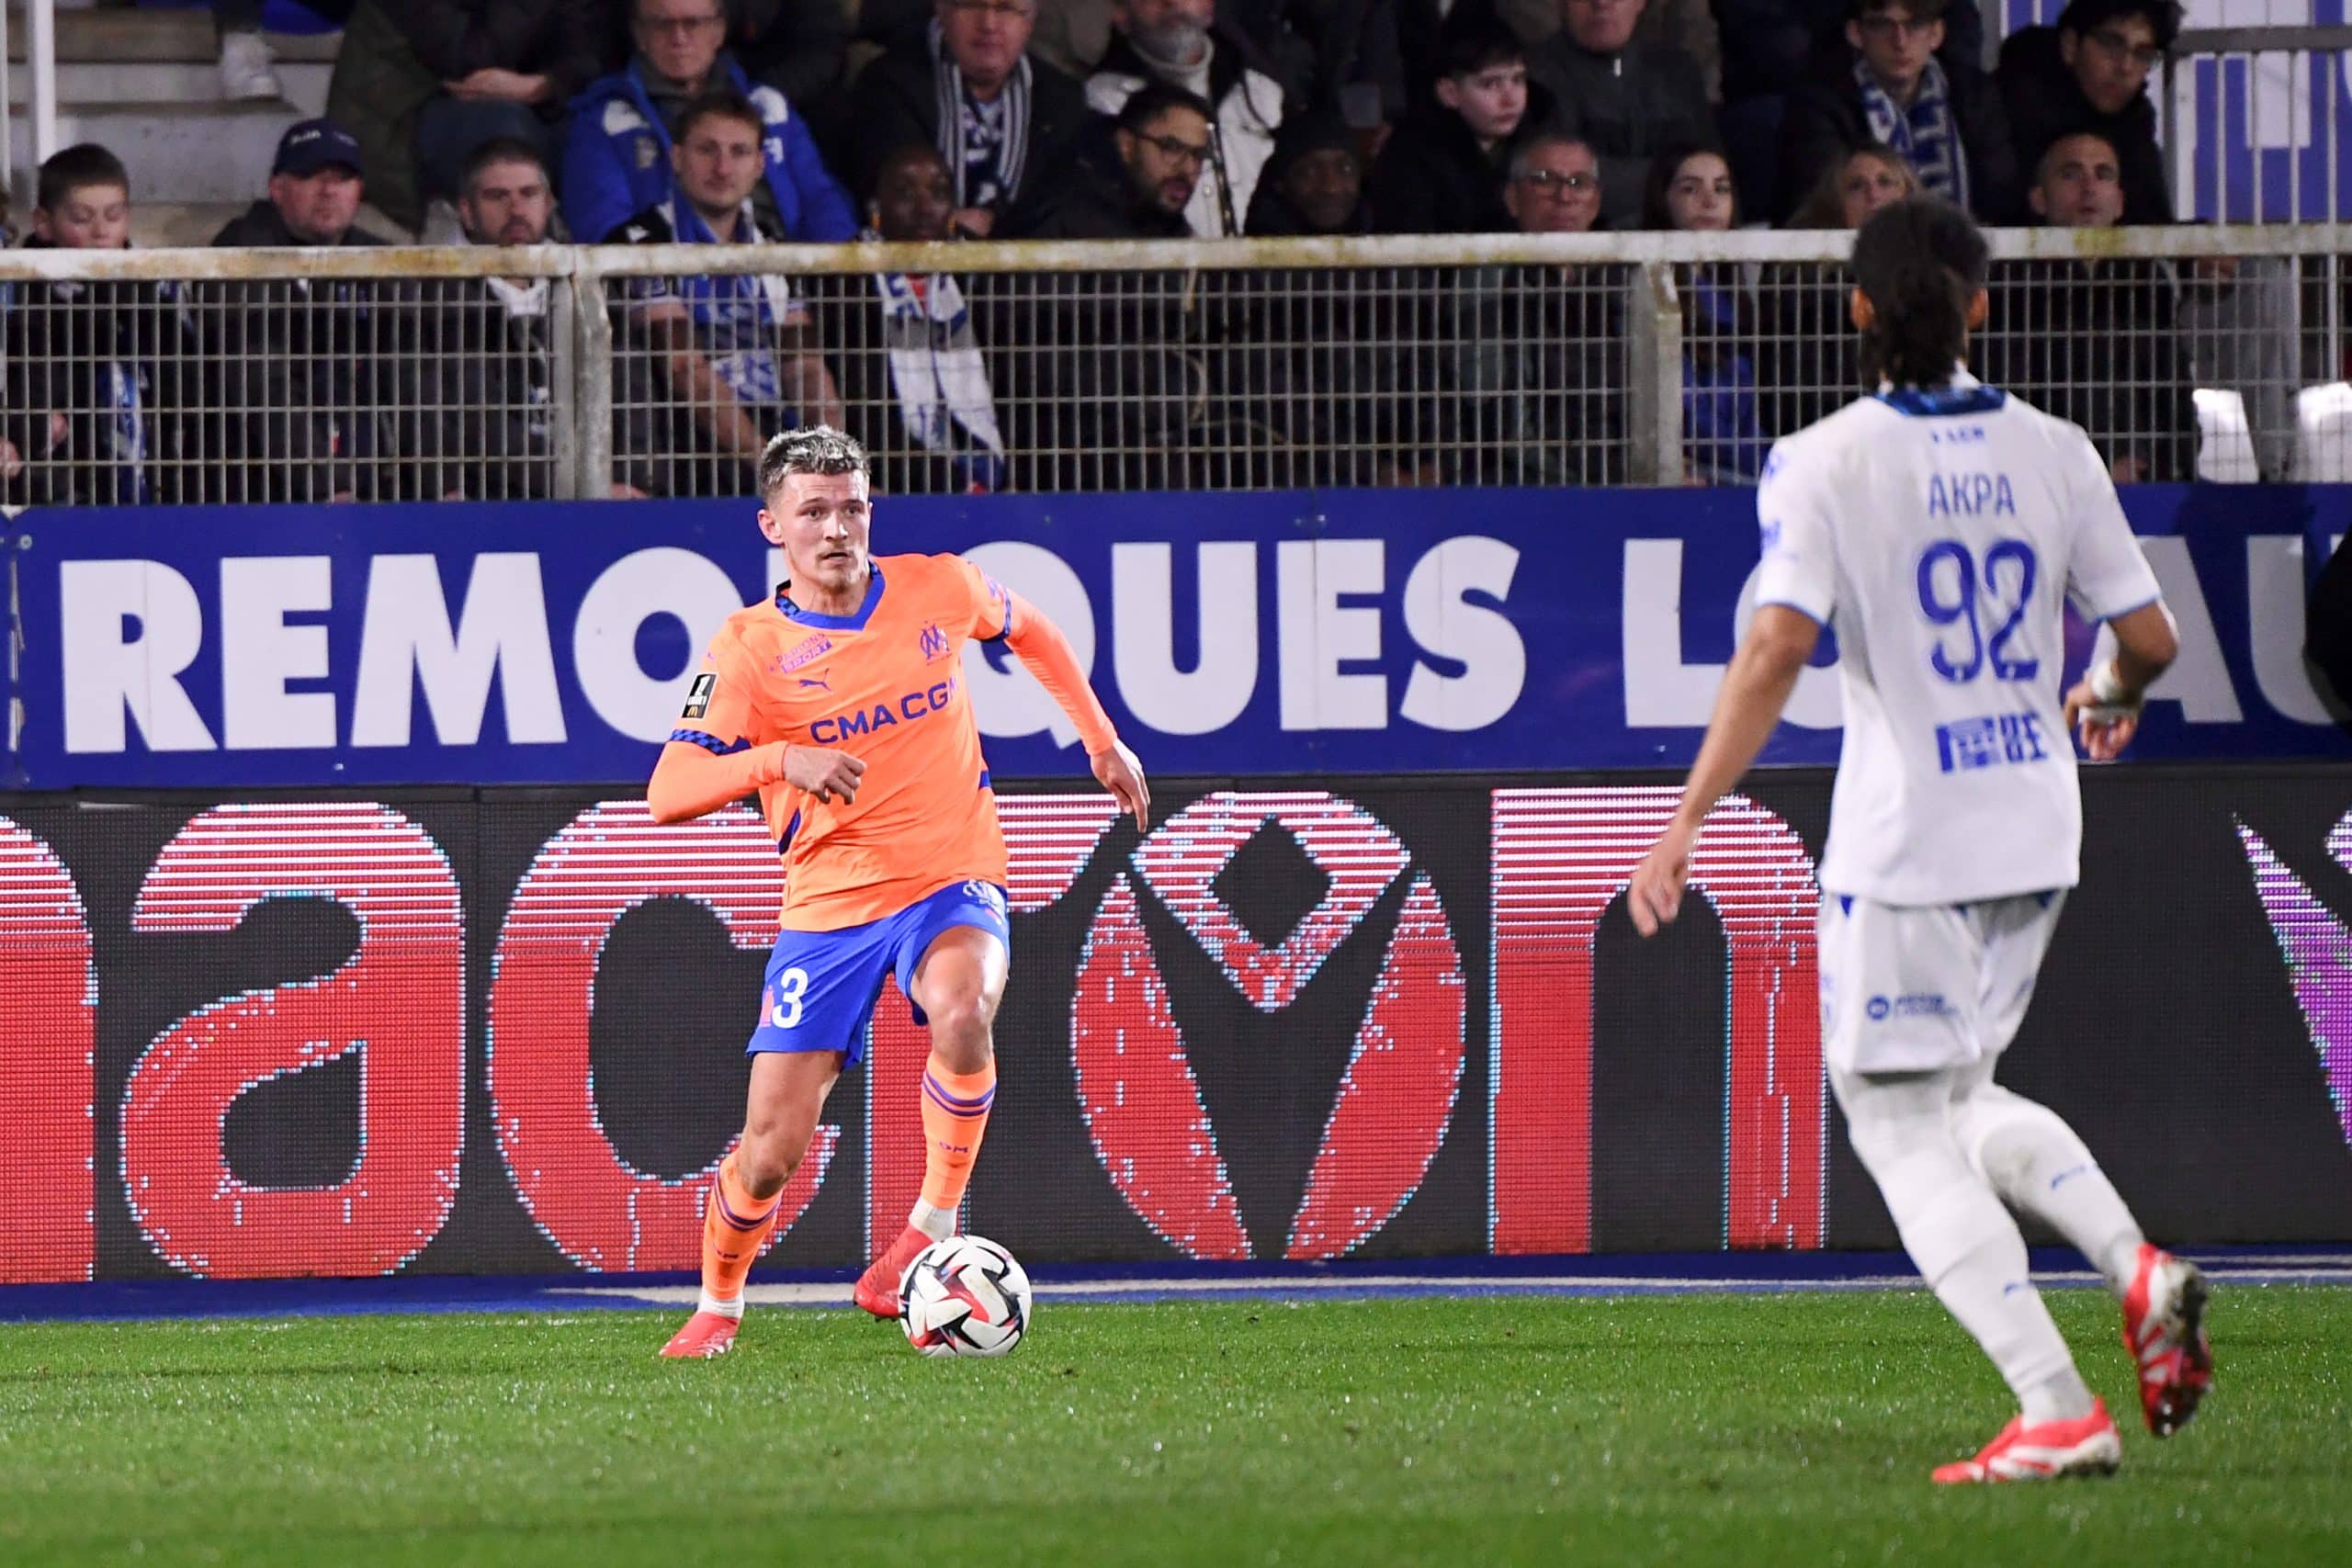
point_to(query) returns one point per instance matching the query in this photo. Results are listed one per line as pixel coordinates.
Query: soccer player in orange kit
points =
(841, 701)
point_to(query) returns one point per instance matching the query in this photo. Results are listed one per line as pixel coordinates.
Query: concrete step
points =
(174, 82)
(133, 37)
(187, 152)
(146, 85)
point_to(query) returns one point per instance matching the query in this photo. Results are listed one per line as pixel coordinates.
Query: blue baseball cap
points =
(316, 144)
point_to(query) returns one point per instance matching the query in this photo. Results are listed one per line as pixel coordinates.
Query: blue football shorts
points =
(820, 987)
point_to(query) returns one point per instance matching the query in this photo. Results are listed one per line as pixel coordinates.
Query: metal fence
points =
(2254, 120)
(304, 376)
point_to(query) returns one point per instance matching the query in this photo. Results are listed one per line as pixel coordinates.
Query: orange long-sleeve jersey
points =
(885, 685)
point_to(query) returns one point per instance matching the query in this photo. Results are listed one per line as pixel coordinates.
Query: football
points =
(964, 1296)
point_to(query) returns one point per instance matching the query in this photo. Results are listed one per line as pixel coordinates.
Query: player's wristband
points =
(2115, 700)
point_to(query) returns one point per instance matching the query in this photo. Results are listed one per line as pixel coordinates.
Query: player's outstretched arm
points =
(1039, 645)
(690, 781)
(1756, 688)
(2104, 706)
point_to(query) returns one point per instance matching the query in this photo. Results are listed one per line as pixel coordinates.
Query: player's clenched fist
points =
(822, 772)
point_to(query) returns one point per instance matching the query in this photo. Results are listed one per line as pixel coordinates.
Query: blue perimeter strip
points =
(1622, 1275)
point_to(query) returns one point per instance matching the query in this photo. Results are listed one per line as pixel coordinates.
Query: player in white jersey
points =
(1938, 526)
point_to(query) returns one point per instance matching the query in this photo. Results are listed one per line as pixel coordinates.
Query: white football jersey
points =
(1938, 535)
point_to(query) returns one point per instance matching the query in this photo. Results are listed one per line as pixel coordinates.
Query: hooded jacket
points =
(313, 375)
(1432, 178)
(1249, 106)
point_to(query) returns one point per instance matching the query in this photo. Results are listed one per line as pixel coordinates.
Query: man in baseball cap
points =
(315, 188)
(310, 370)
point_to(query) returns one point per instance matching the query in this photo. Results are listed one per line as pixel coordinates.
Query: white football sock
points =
(934, 1221)
(2065, 1397)
(2038, 1165)
(709, 1303)
(1953, 1224)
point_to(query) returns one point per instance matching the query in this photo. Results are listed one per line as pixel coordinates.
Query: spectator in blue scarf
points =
(1943, 115)
(738, 348)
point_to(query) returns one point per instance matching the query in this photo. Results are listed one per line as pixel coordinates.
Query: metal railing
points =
(2253, 118)
(226, 376)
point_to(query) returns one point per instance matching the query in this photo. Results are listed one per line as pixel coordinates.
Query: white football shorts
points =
(1919, 989)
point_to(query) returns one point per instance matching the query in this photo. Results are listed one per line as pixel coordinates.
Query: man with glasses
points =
(1006, 123)
(617, 161)
(1943, 115)
(739, 351)
(1160, 139)
(1111, 381)
(1538, 354)
(1183, 44)
(2095, 341)
(2089, 73)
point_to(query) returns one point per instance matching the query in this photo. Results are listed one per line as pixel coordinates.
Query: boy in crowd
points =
(1943, 115)
(1441, 173)
(91, 366)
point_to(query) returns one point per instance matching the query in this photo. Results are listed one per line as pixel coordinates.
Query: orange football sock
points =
(955, 1115)
(735, 1225)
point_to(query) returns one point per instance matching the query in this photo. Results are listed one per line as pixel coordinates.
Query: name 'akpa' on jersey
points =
(1940, 533)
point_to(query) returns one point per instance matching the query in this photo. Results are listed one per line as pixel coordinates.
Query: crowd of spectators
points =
(514, 122)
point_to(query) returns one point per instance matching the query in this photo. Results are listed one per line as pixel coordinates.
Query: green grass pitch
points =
(1762, 1430)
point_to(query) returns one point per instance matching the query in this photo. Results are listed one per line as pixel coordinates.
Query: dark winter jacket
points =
(2097, 344)
(1537, 365)
(1629, 106)
(897, 101)
(2045, 103)
(396, 54)
(1432, 178)
(99, 378)
(798, 47)
(1810, 357)
(1110, 382)
(617, 160)
(1271, 214)
(1826, 120)
(315, 378)
(489, 349)
(1093, 200)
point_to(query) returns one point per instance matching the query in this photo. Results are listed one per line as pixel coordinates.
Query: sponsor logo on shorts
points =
(1919, 1004)
(987, 893)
